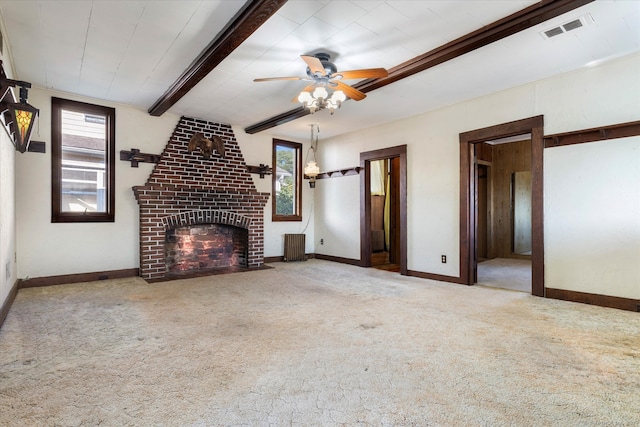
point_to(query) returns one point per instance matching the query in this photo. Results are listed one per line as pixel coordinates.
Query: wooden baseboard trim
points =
(438, 277)
(628, 304)
(77, 278)
(270, 259)
(6, 305)
(341, 260)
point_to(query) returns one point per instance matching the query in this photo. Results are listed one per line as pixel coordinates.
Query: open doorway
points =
(503, 213)
(383, 217)
(385, 213)
(470, 185)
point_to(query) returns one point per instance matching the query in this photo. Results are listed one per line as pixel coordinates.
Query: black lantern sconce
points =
(18, 117)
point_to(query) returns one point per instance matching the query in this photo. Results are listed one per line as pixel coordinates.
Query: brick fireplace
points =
(212, 204)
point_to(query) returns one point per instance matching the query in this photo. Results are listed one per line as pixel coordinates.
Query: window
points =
(82, 162)
(287, 179)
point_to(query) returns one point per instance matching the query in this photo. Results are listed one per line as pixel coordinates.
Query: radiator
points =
(294, 247)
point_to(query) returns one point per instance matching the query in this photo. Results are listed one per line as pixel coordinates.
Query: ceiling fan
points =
(324, 74)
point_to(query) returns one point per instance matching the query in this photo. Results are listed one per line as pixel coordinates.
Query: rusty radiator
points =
(294, 247)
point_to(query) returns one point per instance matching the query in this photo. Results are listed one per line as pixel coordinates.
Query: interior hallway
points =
(313, 343)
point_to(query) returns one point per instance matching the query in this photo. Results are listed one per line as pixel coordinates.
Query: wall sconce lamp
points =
(19, 117)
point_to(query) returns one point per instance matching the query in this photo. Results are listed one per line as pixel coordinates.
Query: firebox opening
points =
(205, 247)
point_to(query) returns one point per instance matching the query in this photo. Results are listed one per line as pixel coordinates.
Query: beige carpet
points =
(505, 273)
(309, 344)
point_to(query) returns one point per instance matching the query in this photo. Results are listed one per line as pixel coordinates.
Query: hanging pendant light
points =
(312, 170)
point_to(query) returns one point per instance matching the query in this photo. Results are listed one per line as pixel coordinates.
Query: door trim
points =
(365, 202)
(533, 125)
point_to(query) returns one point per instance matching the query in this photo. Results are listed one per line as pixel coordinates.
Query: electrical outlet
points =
(443, 258)
(322, 241)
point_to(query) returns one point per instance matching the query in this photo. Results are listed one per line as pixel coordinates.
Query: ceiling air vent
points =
(567, 26)
(572, 25)
(553, 32)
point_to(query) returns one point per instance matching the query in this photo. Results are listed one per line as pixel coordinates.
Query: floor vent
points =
(294, 247)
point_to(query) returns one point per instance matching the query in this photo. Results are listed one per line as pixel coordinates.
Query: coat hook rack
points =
(342, 172)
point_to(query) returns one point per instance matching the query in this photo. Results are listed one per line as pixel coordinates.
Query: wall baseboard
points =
(438, 277)
(4, 311)
(77, 278)
(270, 259)
(628, 304)
(341, 260)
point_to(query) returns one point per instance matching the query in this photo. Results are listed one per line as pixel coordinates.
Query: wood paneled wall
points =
(506, 159)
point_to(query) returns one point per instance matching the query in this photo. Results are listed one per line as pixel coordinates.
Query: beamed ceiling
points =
(199, 58)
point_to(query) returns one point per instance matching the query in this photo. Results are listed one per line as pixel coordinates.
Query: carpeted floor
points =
(505, 273)
(310, 344)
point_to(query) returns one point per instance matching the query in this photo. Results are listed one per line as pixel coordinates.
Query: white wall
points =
(338, 216)
(590, 97)
(8, 269)
(50, 249)
(592, 226)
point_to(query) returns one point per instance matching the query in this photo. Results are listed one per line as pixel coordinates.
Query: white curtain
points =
(377, 178)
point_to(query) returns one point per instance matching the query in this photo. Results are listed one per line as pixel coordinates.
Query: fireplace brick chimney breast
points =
(185, 189)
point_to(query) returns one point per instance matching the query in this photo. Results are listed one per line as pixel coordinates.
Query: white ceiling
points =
(131, 52)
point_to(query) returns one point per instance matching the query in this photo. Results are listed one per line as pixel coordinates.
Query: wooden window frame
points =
(297, 215)
(57, 215)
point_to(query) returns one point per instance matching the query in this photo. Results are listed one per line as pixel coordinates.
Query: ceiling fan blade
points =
(352, 93)
(369, 73)
(314, 64)
(309, 88)
(269, 79)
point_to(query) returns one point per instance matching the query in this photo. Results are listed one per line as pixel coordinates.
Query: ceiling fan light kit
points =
(320, 99)
(324, 75)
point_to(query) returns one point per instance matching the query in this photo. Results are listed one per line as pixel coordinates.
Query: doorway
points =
(385, 213)
(503, 213)
(383, 204)
(470, 186)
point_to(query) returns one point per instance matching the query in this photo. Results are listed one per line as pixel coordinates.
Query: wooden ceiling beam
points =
(498, 30)
(252, 15)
